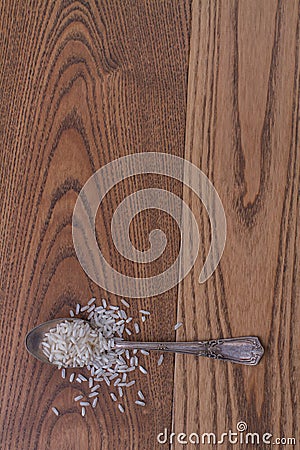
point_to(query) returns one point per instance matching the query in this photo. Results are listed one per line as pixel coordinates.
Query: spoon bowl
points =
(35, 337)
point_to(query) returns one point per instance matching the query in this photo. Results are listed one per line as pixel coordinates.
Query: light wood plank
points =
(242, 131)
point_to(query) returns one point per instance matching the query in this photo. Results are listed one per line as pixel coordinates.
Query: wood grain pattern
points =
(82, 84)
(216, 82)
(242, 131)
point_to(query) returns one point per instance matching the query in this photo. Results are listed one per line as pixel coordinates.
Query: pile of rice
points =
(90, 343)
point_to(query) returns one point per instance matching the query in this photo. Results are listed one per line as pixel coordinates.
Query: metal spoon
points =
(242, 350)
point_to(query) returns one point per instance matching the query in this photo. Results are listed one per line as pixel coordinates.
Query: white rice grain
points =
(178, 325)
(125, 303)
(106, 380)
(120, 390)
(93, 394)
(82, 377)
(95, 388)
(143, 370)
(141, 395)
(114, 308)
(138, 402)
(160, 360)
(55, 410)
(91, 308)
(114, 398)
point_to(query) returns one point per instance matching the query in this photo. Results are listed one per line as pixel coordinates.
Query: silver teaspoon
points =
(241, 350)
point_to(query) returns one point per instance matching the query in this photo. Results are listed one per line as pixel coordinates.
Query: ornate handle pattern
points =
(243, 350)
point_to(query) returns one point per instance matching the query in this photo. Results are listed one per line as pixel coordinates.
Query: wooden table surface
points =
(215, 82)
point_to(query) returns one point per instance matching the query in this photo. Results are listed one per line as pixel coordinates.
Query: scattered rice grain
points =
(93, 394)
(160, 360)
(95, 387)
(138, 402)
(141, 395)
(120, 390)
(91, 308)
(125, 303)
(82, 377)
(178, 325)
(143, 370)
(55, 410)
(121, 409)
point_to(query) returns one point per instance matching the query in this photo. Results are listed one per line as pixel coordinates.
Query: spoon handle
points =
(242, 350)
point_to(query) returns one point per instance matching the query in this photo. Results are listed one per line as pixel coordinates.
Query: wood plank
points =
(242, 131)
(82, 83)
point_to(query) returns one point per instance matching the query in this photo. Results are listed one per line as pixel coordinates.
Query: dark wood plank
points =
(242, 131)
(82, 83)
